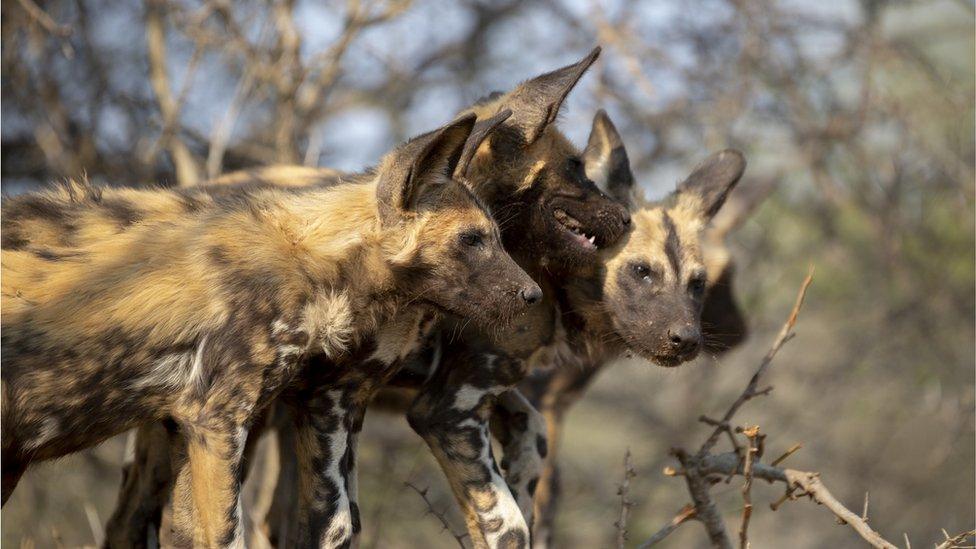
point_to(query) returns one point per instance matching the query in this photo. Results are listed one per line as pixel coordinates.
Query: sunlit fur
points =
(125, 306)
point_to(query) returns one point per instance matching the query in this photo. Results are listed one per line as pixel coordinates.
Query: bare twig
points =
(810, 483)
(684, 515)
(785, 333)
(187, 172)
(44, 20)
(752, 434)
(440, 516)
(956, 542)
(787, 454)
(625, 504)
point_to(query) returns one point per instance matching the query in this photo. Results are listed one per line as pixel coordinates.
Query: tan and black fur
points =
(554, 219)
(204, 317)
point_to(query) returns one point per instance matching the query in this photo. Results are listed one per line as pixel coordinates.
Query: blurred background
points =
(860, 113)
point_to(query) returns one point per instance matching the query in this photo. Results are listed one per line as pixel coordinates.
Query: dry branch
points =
(753, 435)
(187, 171)
(785, 334)
(810, 483)
(956, 542)
(684, 515)
(625, 504)
(459, 538)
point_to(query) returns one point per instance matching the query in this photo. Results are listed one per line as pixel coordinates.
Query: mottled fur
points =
(203, 313)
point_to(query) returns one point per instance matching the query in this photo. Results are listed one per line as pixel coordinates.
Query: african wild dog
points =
(553, 219)
(608, 309)
(204, 318)
(553, 391)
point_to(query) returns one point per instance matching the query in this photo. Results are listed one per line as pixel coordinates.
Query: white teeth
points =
(592, 240)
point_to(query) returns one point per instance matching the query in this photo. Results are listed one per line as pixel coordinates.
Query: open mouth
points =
(575, 229)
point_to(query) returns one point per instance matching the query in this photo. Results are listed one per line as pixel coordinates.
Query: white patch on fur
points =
(169, 372)
(288, 351)
(50, 428)
(279, 327)
(239, 539)
(522, 452)
(342, 520)
(506, 508)
(195, 378)
(467, 397)
(329, 321)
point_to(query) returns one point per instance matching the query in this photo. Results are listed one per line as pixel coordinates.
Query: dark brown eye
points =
(697, 285)
(642, 271)
(471, 239)
(575, 164)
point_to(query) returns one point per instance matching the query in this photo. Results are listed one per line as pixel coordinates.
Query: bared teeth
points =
(592, 240)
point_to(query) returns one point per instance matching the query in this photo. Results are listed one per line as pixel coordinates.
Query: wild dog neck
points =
(338, 242)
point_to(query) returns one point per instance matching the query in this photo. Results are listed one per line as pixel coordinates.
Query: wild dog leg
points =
(452, 414)
(521, 430)
(352, 475)
(553, 392)
(326, 514)
(281, 522)
(549, 487)
(206, 499)
(146, 483)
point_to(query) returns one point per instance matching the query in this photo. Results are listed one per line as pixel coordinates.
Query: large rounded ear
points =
(705, 190)
(482, 129)
(535, 103)
(606, 162)
(415, 170)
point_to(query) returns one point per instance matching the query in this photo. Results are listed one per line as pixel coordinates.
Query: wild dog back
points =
(203, 313)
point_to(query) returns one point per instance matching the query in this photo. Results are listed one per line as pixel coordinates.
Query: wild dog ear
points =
(606, 162)
(535, 103)
(482, 129)
(706, 189)
(419, 167)
(722, 320)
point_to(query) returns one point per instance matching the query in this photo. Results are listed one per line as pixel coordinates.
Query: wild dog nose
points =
(626, 220)
(531, 295)
(684, 338)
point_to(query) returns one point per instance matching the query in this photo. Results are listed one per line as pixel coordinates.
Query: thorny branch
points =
(440, 516)
(785, 334)
(957, 541)
(753, 435)
(625, 504)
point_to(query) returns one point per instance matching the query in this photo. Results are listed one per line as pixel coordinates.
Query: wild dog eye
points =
(697, 285)
(642, 271)
(471, 239)
(575, 164)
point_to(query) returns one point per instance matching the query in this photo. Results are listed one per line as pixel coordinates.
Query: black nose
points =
(626, 220)
(684, 338)
(532, 295)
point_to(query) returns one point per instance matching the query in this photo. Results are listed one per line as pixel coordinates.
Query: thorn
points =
(787, 454)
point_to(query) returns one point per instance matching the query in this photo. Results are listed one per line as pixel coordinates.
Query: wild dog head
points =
(447, 248)
(653, 283)
(534, 178)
